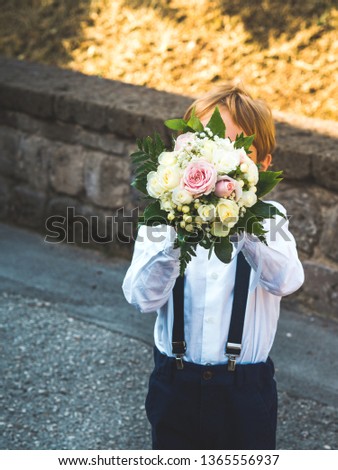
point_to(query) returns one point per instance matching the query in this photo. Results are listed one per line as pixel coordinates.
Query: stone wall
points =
(65, 140)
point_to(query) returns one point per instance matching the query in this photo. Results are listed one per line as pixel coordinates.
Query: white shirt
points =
(208, 290)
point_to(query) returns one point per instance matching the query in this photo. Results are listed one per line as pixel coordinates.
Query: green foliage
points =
(223, 249)
(193, 124)
(244, 141)
(265, 210)
(187, 248)
(146, 159)
(216, 124)
(267, 181)
(177, 125)
(153, 214)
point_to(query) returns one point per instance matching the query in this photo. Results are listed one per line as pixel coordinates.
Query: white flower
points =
(168, 158)
(153, 185)
(184, 140)
(169, 176)
(226, 161)
(166, 204)
(225, 144)
(208, 149)
(228, 212)
(252, 173)
(248, 199)
(207, 212)
(181, 196)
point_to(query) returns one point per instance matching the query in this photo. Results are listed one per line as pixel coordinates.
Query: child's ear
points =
(266, 162)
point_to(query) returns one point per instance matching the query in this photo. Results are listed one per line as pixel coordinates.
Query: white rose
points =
(248, 199)
(181, 196)
(228, 212)
(153, 185)
(207, 212)
(252, 173)
(168, 158)
(169, 176)
(226, 161)
(225, 144)
(209, 147)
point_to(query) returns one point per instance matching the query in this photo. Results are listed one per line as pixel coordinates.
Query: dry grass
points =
(285, 51)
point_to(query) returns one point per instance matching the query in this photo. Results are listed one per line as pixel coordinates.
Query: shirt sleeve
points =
(154, 268)
(276, 264)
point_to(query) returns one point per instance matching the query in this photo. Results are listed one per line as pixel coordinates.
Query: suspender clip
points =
(232, 351)
(231, 362)
(179, 348)
(179, 361)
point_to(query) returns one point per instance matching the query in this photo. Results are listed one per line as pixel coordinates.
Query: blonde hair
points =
(252, 115)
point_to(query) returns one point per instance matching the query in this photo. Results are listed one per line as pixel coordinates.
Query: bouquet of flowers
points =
(207, 187)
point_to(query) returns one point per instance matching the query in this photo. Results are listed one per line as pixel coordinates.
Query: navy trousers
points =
(208, 407)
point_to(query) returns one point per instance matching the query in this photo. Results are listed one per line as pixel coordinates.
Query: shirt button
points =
(214, 276)
(207, 374)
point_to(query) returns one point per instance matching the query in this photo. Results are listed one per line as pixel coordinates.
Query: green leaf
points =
(216, 124)
(140, 184)
(159, 144)
(176, 124)
(146, 159)
(154, 213)
(223, 249)
(194, 122)
(265, 210)
(244, 141)
(249, 223)
(139, 158)
(188, 250)
(267, 181)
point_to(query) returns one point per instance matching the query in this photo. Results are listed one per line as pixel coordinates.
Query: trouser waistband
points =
(243, 374)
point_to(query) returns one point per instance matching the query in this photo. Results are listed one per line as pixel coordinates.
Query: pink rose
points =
(226, 186)
(183, 139)
(199, 177)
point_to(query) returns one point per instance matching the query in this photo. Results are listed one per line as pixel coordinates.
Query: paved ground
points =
(75, 357)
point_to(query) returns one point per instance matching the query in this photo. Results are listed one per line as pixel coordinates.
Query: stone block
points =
(9, 144)
(32, 161)
(304, 210)
(66, 173)
(319, 292)
(107, 180)
(328, 242)
(83, 111)
(295, 163)
(27, 207)
(5, 196)
(325, 168)
(19, 97)
(85, 225)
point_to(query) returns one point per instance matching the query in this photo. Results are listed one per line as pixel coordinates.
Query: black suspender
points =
(234, 343)
(178, 343)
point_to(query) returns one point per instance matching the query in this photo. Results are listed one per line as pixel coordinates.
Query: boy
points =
(217, 393)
